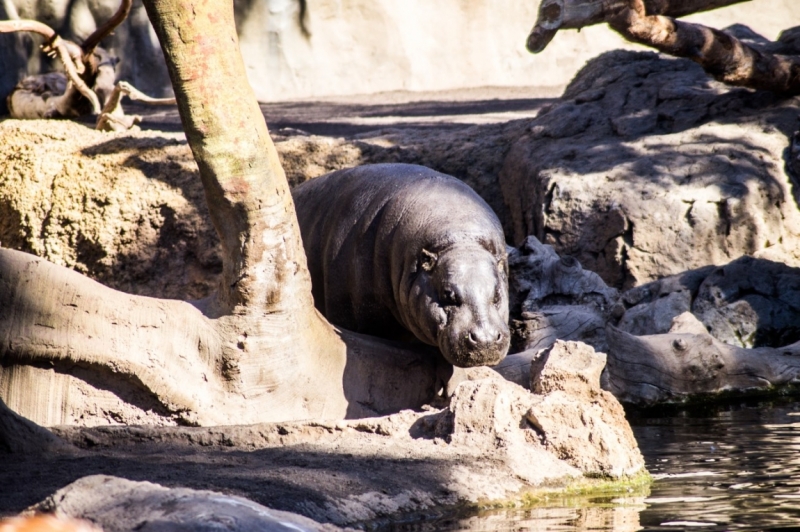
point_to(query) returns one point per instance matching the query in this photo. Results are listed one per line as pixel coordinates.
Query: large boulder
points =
(571, 409)
(647, 167)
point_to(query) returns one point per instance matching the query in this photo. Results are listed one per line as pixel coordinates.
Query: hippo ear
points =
(427, 260)
(502, 267)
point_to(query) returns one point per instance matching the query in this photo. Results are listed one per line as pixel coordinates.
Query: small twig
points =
(113, 118)
(109, 26)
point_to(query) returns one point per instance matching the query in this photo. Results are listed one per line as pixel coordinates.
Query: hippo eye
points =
(427, 260)
(449, 297)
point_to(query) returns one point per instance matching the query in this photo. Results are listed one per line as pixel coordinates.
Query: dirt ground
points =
(350, 116)
(289, 477)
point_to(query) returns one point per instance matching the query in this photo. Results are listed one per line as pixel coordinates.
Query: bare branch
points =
(105, 30)
(557, 15)
(650, 22)
(63, 53)
(723, 56)
(113, 117)
(10, 26)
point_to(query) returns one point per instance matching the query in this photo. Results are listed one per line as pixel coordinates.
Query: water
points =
(726, 467)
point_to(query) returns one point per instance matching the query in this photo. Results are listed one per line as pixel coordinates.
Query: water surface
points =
(732, 466)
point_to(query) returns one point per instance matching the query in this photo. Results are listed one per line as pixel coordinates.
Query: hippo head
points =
(461, 304)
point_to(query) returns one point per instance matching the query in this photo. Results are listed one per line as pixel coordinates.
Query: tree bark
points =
(688, 362)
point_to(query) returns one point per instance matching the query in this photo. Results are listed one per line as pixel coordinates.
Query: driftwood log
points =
(688, 362)
(552, 298)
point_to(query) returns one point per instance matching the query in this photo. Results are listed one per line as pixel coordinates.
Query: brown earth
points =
(127, 209)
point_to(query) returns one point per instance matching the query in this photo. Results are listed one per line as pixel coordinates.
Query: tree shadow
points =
(306, 479)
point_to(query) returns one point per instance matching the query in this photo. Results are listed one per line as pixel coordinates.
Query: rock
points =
(647, 168)
(688, 362)
(490, 415)
(553, 298)
(570, 367)
(747, 303)
(579, 422)
(126, 210)
(120, 505)
(480, 447)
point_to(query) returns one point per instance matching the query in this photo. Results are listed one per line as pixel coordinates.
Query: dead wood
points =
(89, 86)
(93, 40)
(688, 362)
(652, 23)
(113, 117)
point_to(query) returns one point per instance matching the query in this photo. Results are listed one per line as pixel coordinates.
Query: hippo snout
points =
(483, 338)
(479, 345)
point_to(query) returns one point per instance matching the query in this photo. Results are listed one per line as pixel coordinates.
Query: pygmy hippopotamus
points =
(399, 248)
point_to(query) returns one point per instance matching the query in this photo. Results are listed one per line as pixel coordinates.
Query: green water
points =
(725, 467)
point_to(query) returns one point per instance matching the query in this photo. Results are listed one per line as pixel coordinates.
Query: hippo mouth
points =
(475, 347)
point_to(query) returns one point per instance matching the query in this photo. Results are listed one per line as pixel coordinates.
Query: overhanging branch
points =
(652, 23)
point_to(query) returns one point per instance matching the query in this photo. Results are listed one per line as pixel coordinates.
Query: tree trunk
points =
(256, 350)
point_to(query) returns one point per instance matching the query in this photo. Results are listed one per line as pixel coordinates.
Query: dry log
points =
(688, 362)
(557, 15)
(554, 297)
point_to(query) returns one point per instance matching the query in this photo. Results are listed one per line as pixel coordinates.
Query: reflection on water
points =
(729, 467)
(732, 468)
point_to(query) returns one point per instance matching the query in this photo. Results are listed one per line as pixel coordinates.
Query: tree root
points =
(198, 370)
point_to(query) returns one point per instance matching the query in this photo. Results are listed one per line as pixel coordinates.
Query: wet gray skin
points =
(404, 252)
